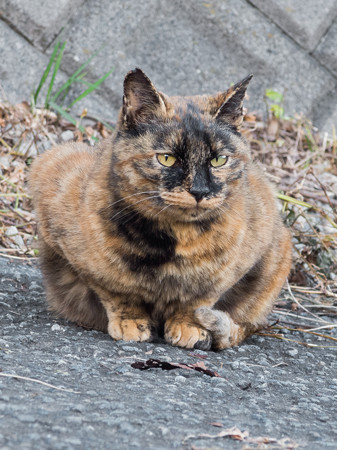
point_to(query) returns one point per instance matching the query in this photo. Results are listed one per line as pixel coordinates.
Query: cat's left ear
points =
(141, 100)
(232, 100)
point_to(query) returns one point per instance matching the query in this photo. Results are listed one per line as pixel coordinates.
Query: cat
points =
(166, 227)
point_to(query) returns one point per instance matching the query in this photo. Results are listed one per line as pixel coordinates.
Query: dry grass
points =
(301, 162)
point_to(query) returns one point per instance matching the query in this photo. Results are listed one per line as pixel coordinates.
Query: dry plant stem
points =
(301, 306)
(18, 257)
(314, 195)
(5, 144)
(324, 327)
(10, 250)
(18, 377)
(301, 330)
(321, 306)
(322, 187)
(15, 194)
(305, 290)
(287, 313)
(317, 275)
(306, 344)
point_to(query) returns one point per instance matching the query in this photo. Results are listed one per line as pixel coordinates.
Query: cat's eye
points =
(166, 159)
(219, 161)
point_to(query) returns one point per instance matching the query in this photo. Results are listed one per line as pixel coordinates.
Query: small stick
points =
(304, 290)
(322, 187)
(277, 311)
(321, 306)
(15, 194)
(17, 257)
(301, 306)
(325, 336)
(5, 144)
(306, 344)
(323, 327)
(10, 375)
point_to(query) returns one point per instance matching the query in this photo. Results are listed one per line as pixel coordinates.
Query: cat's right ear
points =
(141, 101)
(231, 110)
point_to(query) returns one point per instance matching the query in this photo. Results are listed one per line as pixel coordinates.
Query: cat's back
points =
(56, 181)
(58, 163)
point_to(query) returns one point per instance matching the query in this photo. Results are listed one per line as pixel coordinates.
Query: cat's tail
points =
(225, 332)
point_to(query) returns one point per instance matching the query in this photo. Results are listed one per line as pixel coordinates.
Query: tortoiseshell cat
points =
(167, 226)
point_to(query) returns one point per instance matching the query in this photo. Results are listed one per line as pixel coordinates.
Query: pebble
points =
(4, 162)
(130, 348)
(67, 135)
(235, 365)
(160, 350)
(180, 379)
(16, 239)
(56, 327)
(121, 369)
(292, 352)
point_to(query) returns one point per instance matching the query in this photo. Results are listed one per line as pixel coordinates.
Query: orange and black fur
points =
(168, 226)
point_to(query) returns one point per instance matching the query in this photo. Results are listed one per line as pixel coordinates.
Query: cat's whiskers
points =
(163, 209)
(132, 205)
(229, 211)
(129, 196)
(133, 214)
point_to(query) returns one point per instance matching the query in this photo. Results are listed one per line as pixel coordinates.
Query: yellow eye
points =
(219, 161)
(166, 159)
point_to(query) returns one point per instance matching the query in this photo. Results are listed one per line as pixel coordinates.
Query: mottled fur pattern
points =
(132, 246)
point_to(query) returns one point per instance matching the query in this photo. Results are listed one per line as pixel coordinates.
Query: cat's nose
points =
(200, 186)
(199, 192)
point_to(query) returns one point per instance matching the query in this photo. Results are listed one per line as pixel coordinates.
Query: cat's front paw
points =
(138, 330)
(187, 335)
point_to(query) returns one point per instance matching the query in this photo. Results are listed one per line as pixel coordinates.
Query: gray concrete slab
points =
(276, 60)
(40, 21)
(21, 66)
(195, 47)
(326, 50)
(305, 21)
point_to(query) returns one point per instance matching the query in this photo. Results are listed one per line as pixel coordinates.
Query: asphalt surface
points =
(270, 388)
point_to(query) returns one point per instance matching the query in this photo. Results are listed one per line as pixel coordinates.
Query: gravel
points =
(267, 387)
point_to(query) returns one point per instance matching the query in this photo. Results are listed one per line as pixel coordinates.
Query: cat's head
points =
(178, 158)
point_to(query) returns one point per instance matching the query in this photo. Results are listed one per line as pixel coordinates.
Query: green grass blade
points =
(286, 198)
(76, 75)
(66, 86)
(66, 115)
(47, 70)
(91, 88)
(56, 69)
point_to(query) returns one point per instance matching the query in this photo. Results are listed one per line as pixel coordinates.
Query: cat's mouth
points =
(183, 204)
(187, 201)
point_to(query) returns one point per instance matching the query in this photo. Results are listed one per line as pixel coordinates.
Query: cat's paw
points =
(225, 332)
(182, 334)
(138, 330)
